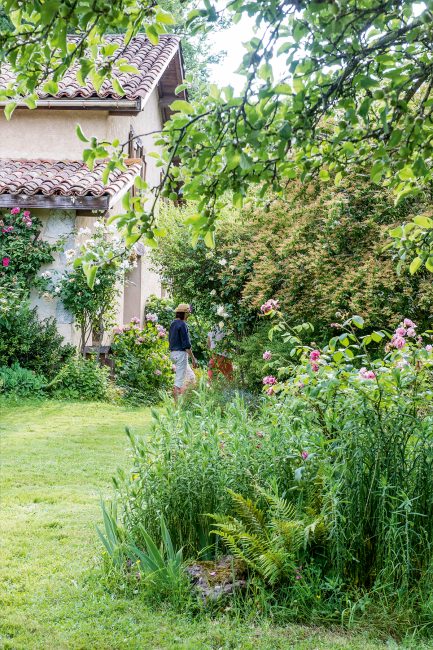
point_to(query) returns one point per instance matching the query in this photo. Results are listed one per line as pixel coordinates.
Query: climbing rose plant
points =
(22, 252)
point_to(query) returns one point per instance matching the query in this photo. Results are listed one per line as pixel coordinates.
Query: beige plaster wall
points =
(48, 133)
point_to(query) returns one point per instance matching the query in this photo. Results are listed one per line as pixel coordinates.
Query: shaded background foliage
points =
(320, 251)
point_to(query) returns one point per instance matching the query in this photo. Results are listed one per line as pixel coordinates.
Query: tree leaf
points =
(415, 265)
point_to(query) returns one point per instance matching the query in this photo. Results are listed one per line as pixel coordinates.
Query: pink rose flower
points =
(269, 380)
(398, 342)
(269, 305)
(367, 374)
(400, 331)
(408, 323)
(26, 214)
(15, 211)
(6, 261)
(429, 348)
(314, 355)
(411, 332)
(267, 355)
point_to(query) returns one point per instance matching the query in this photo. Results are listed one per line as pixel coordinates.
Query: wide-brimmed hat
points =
(183, 308)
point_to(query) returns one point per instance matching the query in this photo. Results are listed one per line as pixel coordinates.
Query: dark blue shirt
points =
(178, 337)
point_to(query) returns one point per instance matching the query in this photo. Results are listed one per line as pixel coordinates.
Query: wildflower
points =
(304, 454)
(269, 306)
(269, 380)
(15, 211)
(267, 355)
(152, 318)
(6, 261)
(411, 332)
(366, 374)
(408, 323)
(314, 355)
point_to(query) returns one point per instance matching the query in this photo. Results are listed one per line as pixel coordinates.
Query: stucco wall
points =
(50, 134)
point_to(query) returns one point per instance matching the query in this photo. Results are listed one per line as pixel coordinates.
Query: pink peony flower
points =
(367, 374)
(411, 332)
(400, 331)
(269, 305)
(26, 214)
(408, 323)
(267, 355)
(15, 211)
(269, 380)
(304, 454)
(314, 366)
(314, 355)
(398, 342)
(6, 261)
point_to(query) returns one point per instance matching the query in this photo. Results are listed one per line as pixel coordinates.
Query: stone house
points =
(41, 167)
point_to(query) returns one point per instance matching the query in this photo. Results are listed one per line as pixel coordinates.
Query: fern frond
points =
(250, 514)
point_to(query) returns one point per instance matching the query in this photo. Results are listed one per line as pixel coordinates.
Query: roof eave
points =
(56, 201)
(128, 106)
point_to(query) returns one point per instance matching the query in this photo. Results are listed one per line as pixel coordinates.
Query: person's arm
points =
(186, 342)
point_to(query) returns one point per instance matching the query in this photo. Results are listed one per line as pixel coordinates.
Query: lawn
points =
(56, 461)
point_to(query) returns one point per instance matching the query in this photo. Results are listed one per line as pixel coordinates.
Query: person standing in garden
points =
(180, 350)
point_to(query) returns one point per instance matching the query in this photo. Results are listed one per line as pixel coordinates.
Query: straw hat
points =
(183, 308)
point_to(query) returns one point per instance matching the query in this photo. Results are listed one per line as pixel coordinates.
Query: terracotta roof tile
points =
(63, 177)
(150, 60)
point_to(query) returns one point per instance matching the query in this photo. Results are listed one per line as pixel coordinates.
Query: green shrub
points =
(20, 382)
(142, 363)
(81, 379)
(31, 343)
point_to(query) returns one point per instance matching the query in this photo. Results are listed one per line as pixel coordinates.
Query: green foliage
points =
(29, 342)
(20, 382)
(249, 357)
(160, 570)
(273, 542)
(142, 363)
(81, 379)
(22, 252)
(163, 308)
(414, 238)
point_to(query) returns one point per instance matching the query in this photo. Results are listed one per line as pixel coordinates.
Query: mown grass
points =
(56, 463)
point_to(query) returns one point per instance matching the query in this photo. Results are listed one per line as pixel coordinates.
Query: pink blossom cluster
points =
(27, 219)
(314, 358)
(15, 211)
(152, 318)
(6, 261)
(7, 229)
(269, 306)
(429, 348)
(162, 332)
(367, 374)
(406, 329)
(269, 380)
(135, 320)
(267, 355)
(118, 330)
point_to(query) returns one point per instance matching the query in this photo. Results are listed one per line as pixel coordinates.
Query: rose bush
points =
(142, 359)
